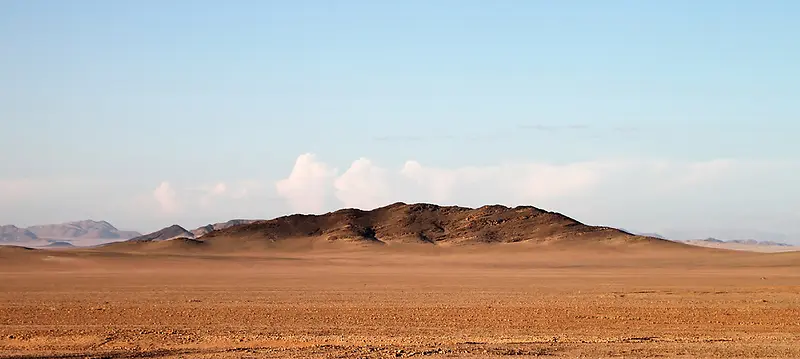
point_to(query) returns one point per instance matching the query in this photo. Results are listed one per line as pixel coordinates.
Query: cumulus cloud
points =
(512, 183)
(432, 183)
(308, 184)
(366, 185)
(202, 199)
(588, 188)
(208, 194)
(193, 205)
(166, 197)
(363, 185)
(468, 185)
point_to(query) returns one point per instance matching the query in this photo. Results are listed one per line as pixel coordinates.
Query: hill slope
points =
(171, 232)
(425, 224)
(201, 231)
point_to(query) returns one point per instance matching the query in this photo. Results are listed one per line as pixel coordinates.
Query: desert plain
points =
(366, 301)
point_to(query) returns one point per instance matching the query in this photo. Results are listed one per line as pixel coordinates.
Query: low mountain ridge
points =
(171, 232)
(654, 235)
(176, 231)
(644, 234)
(201, 231)
(425, 223)
(59, 244)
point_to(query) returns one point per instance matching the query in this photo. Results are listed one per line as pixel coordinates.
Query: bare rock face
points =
(425, 223)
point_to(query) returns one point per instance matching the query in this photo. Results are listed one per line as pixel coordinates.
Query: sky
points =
(654, 116)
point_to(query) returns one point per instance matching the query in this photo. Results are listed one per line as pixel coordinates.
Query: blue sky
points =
(654, 116)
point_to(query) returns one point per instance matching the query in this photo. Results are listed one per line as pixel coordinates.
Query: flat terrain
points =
(492, 301)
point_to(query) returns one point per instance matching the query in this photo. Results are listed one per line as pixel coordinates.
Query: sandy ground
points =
(515, 301)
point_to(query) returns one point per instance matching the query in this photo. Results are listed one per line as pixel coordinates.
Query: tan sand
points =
(412, 301)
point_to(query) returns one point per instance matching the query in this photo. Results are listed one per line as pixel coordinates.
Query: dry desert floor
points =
(509, 300)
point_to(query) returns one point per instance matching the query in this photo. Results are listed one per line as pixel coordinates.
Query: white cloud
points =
(637, 193)
(199, 204)
(363, 185)
(166, 197)
(508, 183)
(366, 185)
(211, 193)
(432, 185)
(237, 198)
(307, 186)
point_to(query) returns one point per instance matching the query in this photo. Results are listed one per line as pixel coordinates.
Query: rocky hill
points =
(426, 224)
(171, 232)
(201, 231)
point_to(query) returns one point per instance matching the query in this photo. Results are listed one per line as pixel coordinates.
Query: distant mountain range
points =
(751, 242)
(743, 244)
(87, 231)
(712, 240)
(90, 232)
(12, 234)
(730, 234)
